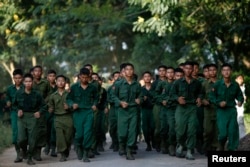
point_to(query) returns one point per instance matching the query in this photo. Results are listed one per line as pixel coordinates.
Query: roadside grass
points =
(247, 122)
(5, 137)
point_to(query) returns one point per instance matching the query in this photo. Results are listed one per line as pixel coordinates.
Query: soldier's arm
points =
(213, 95)
(239, 96)
(70, 98)
(42, 108)
(115, 95)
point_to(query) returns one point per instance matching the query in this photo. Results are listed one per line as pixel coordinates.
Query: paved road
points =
(109, 159)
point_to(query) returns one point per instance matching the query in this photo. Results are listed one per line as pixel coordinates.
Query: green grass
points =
(5, 137)
(247, 122)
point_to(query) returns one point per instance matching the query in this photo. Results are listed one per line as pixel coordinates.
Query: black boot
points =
(46, 149)
(30, 161)
(37, 155)
(122, 150)
(86, 156)
(130, 155)
(53, 151)
(18, 158)
(63, 157)
(79, 152)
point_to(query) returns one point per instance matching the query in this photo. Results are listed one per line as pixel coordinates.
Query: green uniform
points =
(63, 121)
(185, 115)
(127, 117)
(169, 112)
(227, 116)
(27, 124)
(112, 119)
(83, 116)
(10, 96)
(147, 115)
(156, 115)
(43, 88)
(210, 124)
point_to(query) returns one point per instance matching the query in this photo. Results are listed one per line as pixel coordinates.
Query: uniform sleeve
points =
(70, 97)
(213, 95)
(158, 92)
(174, 92)
(200, 91)
(8, 95)
(42, 105)
(51, 104)
(96, 96)
(115, 95)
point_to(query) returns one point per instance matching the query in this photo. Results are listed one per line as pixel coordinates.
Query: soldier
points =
(83, 99)
(30, 106)
(113, 114)
(42, 86)
(223, 95)
(210, 125)
(63, 118)
(187, 92)
(157, 106)
(127, 98)
(10, 96)
(147, 110)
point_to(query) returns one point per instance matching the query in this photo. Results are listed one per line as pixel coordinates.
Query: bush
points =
(5, 137)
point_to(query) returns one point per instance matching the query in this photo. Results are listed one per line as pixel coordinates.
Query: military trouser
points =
(147, 124)
(113, 116)
(200, 128)
(95, 129)
(186, 124)
(138, 125)
(127, 124)
(171, 126)
(51, 133)
(100, 127)
(41, 131)
(156, 116)
(27, 132)
(83, 123)
(64, 132)
(14, 122)
(164, 128)
(228, 127)
(210, 129)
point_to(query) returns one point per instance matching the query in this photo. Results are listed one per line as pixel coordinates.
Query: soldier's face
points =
(95, 77)
(60, 82)
(84, 78)
(90, 69)
(195, 70)
(178, 75)
(116, 76)
(147, 78)
(18, 79)
(212, 71)
(37, 73)
(205, 73)
(129, 71)
(27, 82)
(188, 69)
(162, 72)
(51, 78)
(170, 74)
(226, 72)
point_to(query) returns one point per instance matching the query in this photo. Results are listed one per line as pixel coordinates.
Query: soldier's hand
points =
(94, 108)
(20, 113)
(181, 100)
(164, 102)
(8, 104)
(124, 104)
(106, 111)
(137, 101)
(37, 114)
(145, 98)
(75, 106)
(239, 104)
(65, 106)
(205, 102)
(198, 102)
(223, 104)
(50, 110)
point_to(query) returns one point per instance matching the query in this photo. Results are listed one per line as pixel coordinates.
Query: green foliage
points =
(5, 137)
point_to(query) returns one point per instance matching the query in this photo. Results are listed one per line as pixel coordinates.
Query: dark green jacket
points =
(190, 91)
(37, 102)
(220, 92)
(11, 93)
(56, 102)
(84, 98)
(43, 87)
(148, 103)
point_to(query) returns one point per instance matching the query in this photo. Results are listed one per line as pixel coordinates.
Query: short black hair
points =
(17, 71)
(146, 72)
(38, 66)
(205, 66)
(67, 80)
(51, 71)
(170, 67)
(94, 73)
(28, 75)
(116, 72)
(189, 63)
(61, 76)
(181, 64)
(129, 64)
(88, 65)
(195, 63)
(122, 66)
(178, 70)
(213, 65)
(227, 65)
(84, 71)
(162, 66)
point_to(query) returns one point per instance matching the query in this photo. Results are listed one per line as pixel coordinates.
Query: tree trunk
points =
(9, 68)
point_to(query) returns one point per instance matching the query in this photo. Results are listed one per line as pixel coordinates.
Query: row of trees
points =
(64, 35)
